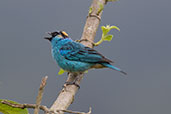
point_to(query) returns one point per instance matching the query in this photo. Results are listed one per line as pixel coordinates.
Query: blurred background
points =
(141, 48)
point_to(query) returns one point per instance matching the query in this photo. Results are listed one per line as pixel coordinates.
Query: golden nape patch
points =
(64, 34)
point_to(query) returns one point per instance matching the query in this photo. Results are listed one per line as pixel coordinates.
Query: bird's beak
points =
(49, 33)
(48, 38)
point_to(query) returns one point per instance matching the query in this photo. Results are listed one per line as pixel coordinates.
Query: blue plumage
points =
(75, 57)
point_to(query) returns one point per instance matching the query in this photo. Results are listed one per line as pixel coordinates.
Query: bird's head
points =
(56, 35)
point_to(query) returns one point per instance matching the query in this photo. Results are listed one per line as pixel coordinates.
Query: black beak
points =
(52, 34)
(49, 33)
(48, 38)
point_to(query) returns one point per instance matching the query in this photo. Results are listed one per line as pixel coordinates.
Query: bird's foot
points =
(72, 83)
(78, 41)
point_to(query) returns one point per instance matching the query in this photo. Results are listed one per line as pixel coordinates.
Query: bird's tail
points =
(114, 68)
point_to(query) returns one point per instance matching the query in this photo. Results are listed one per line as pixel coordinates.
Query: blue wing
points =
(77, 52)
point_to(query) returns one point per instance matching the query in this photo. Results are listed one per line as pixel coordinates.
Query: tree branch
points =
(42, 107)
(37, 106)
(22, 106)
(76, 112)
(67, 94)
(40, 94)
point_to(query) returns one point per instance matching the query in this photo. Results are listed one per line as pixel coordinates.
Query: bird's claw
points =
(78, 41)
(81, 40)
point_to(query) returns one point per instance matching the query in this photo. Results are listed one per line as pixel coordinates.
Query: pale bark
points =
(67, 94)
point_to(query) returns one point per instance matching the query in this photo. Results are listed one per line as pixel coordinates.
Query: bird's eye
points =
(54, 34)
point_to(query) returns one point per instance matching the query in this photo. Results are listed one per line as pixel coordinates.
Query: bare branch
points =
(76, 112)
(40, 94)
(42, 107)
(22, 106)
(67, 94)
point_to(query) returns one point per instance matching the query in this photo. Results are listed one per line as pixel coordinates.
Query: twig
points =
(22, 106)
(42, 107)
(76, 112)
(40, 94)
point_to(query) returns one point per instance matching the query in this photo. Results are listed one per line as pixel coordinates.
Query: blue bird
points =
(75, 57)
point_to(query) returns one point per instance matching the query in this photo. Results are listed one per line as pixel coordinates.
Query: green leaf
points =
(90, 10)
(108, 37)
(114, 27)
(86, 71)
(104, 30)
(105, 36)
(6, 109)
(61, 71)
(101, 7)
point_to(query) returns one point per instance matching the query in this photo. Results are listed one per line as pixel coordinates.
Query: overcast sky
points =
(142, 49)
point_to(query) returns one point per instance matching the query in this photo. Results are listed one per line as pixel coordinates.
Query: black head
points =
(61, 34)
(52, 35)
